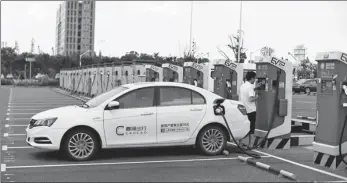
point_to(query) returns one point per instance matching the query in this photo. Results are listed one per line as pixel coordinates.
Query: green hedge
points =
(6, 81)
(27, 82)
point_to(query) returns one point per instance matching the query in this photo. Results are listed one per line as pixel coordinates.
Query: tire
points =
(202, 142)
(307, 91)
(89, 137)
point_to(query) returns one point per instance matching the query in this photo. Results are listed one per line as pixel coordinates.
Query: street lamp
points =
(82, 55)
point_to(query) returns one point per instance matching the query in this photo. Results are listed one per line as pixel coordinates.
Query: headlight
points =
(45, 122)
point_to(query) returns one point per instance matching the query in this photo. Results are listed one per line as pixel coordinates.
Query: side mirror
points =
(112, 105)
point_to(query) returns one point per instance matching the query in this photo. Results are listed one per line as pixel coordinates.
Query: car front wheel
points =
(212, 140)
(80, 145)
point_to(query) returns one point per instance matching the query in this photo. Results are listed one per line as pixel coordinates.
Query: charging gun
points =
(219, 110)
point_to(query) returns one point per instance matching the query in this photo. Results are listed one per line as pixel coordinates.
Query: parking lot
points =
(21, 162)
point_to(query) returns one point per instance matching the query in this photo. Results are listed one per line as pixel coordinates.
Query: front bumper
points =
(44, 137)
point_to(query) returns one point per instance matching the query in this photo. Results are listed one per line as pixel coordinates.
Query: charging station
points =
(116, 79)
(274, 105)
(172, 73)
(198, 75)
(154, 73)
(229, 76)
(330, 143)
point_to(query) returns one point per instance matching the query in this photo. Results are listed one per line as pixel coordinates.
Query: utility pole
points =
(191, 26)
(240, 38)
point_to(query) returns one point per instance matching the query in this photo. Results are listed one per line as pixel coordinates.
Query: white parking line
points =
(29, 108)
(9, 110)
(306, 102)
(304, 166)
(13, 134)
(5, 147)
(122, 163)
(18, 113)
(8, 119)
(8, 125)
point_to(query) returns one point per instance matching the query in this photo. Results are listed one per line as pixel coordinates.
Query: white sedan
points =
(139, 115)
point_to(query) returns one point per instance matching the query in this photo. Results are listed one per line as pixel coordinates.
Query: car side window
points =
(173, 96)
(197, 98)
(139, 98)
(176, 96)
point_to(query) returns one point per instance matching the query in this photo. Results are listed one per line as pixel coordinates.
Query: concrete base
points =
(330, 161)
(284, 142)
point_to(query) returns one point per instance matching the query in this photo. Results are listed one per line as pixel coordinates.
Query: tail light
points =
(242, 109)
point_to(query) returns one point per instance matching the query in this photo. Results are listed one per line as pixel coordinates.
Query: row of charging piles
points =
(273, 120)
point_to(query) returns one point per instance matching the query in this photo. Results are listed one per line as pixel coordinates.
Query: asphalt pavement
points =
(304, 105)
(20, 162)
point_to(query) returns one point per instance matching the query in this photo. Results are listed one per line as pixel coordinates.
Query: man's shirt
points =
(247, 91)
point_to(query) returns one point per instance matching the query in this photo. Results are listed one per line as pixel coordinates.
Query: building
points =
(300, 52)
(75, 28)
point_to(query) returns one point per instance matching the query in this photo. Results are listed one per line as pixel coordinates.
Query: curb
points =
(267, 167)
(62, 92)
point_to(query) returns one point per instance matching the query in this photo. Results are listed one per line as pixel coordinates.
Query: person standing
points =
(249, 98)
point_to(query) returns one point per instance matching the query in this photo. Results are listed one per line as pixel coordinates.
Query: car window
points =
(170, 96)
(96, 101)
(140, 98)
(175, 96)
(197, 98)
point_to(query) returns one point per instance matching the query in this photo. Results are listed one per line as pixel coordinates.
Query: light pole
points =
(82, 55)
(191, 26)
(238, 56)
(0, 72)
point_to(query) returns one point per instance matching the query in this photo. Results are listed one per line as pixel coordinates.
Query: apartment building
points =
(75, 28)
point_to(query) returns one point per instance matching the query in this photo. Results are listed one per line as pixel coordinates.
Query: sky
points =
(164, 26)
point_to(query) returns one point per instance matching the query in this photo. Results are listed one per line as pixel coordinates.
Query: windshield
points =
(96, 101)
(301, 81)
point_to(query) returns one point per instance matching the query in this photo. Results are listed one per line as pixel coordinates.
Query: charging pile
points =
(219, 110)
(330, 144)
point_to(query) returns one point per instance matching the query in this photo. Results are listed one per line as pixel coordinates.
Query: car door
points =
(134, 122)
(179, 112)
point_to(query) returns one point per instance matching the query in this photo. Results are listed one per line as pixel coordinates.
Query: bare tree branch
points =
(223, 53)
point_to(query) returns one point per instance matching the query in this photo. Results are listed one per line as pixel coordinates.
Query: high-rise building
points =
(75, 28)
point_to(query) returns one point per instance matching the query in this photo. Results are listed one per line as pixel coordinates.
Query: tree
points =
(16, 47)
(8, 55)
(234, 45)
(193, 55)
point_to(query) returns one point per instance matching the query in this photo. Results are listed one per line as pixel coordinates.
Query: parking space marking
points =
(8, 125)
(13, 134)
(123, 163)
(15, 118)
(3, 167)
(302, 165)
(5, 147)
(17, 113)
(306, 102)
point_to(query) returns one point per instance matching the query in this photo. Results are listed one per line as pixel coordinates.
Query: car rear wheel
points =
(80, 145)
(212, 140)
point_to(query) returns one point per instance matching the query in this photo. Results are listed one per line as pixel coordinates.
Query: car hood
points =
(60, 112)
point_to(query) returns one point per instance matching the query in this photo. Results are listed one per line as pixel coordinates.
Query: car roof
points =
(162, 83)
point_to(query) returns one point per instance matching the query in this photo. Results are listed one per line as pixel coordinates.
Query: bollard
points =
(268, 167)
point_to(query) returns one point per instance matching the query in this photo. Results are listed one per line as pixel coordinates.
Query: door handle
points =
(195, 109)
(147, 114)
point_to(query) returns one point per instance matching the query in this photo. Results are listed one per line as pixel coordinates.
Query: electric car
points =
(149, 114)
